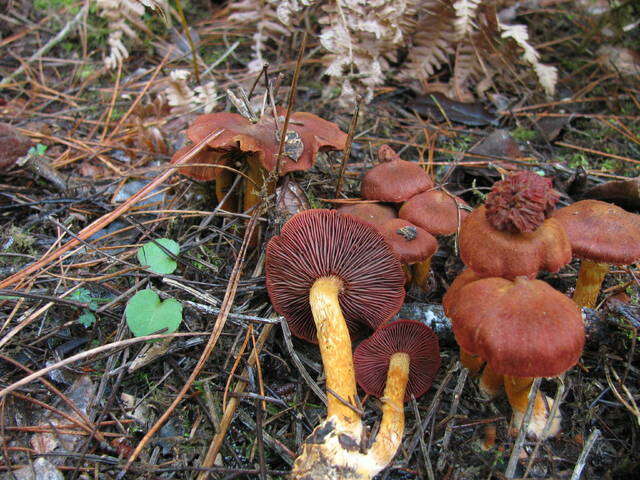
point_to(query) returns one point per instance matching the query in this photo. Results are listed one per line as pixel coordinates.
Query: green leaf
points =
(87, 318)
(146, 314)
(152, 256)
(84, 296)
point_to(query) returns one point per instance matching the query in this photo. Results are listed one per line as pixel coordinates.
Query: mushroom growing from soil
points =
(324, 264)
(522, 329)
(601, 234)
(512, 235)
(372, 213)
(437, 212)
(394, 180)
(398, 361)
(258, 144)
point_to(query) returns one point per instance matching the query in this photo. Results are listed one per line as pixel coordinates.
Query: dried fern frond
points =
(182, 98)
(465, 17)
(122, 17)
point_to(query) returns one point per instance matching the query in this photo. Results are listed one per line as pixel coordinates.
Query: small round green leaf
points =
(146, 314)
(150, 255)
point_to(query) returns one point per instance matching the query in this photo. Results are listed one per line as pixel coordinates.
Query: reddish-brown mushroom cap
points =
(371, 358)
(437, 212)
(321, 243)
(311, 134)
(411, 243)
(394, 180)
(522, 328)
(372, 213)
(492, 253)
(601, 232)
(199, 170)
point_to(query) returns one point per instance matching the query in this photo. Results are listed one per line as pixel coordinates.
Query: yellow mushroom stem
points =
(590, 280)
(517, 389)
(389, 435)
(253, 184)
(335, 349)
(421, 272)
(223, 184)
(491, 382)
(406, 268)
(472, 362)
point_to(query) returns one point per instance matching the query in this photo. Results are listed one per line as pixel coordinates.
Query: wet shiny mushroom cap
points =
(322, 243)
(522, 328)
(601, 232)
(371, 358)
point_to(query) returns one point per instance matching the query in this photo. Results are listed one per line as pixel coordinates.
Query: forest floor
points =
(96, 137)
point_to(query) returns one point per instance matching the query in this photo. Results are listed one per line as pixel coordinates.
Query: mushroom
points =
(522, 329)
(512, 235)
(412, 244)
(600, 234)
(398, 361)
(258, 144)
(322, 264)
(394, 180)
(437, 212)
(372, 213)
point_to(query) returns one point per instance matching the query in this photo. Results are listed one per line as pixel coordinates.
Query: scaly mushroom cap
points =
(371, 358)
(372, 213)
(411, 243)
(435, 211)
(601, 232)
(307, 135)
(522, 328)
(322, 243)
(204, 157)
(520, 202)
(492, 253)
(394, 180)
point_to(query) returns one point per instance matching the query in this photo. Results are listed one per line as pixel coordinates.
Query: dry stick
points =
(106, 219)
(229, 411)
(49, 45)
(290, 103)
(552, 414)
(423, 446)
(522, 433)
(286, 333)
(582, 459)
(229, 297)
(457, 393)
(346, 153)
(192, 46)
(82, 355)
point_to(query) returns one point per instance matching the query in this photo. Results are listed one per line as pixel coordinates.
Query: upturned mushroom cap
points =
(394, 180)
(411, 243)
(307, 134)
(522, 328)
(322, 243)
(601, 232)
(371, 358)
(492, 253)
(435, 211)
(372, 213)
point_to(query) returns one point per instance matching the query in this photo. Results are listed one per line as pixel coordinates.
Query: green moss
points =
(524, 134)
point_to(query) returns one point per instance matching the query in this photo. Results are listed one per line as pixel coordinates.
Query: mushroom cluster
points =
(517, 327)
(330, 274)
(424, 212)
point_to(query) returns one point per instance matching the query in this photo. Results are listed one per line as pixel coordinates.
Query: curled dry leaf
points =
(290, 198)
(623, 61)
